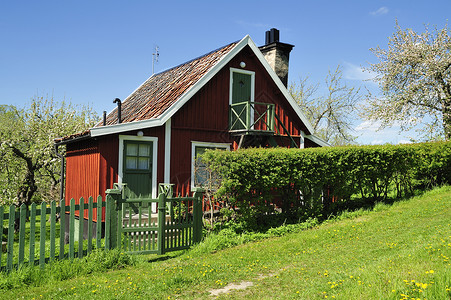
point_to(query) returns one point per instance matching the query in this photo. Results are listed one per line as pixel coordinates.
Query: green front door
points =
(241, 92)
(138, 168)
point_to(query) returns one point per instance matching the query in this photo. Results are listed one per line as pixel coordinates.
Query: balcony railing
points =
(247, 116)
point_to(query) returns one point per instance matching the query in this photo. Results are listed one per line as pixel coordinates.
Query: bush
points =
(271, 186)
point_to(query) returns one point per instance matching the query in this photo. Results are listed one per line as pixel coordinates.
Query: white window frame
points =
(120, 172)
(194, 144)
(252, 73)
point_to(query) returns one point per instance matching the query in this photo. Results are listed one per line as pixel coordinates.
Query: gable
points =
(163, 94)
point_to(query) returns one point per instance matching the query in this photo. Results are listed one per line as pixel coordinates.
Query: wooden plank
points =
(90, 208)
(62, 210)
(23, 221)
(140, 234)
(81, 220)
(32, 232)
(52, 229)
(113, 215)
(99, 222)
(161, 223)
(119, 224)
(9, 247)
(129, 237)
(154, 236)
(108, 221)
(72, 228)
(42, 236)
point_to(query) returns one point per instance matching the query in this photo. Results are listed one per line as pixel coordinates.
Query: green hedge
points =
(316, 182)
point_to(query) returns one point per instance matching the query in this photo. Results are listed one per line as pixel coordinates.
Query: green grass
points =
(400, 251)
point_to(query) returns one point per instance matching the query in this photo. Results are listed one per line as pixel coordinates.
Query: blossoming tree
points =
(414, 75)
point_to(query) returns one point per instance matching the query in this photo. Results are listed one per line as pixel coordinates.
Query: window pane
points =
(144, 163)
(131, 162)
(132, 149)
(200, 176)
(144, 150)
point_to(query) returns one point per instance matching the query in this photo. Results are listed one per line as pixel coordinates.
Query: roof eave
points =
(123, 127)
(317, 140)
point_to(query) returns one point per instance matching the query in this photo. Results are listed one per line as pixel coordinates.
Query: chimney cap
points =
(272, 36)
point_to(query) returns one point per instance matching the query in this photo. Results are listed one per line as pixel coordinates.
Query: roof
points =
(163, 94)
(158, 93)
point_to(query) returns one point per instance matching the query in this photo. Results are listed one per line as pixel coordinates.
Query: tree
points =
(414, 75)
(29, 169)
(331, 114)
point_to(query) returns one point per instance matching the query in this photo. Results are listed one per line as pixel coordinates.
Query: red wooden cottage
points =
(232, 97)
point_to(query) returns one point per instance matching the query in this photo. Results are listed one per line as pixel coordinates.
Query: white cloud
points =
(381, 11)
(404, 142)
(372, 126)
(368, 133)
(354, 72)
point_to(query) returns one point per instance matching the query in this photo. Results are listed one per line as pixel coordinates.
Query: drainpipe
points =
(62, 171)
(119, 104)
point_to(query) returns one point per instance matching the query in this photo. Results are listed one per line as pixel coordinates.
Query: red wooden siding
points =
(205, 118)
(83, 171)
(86, 162)
(109, 159)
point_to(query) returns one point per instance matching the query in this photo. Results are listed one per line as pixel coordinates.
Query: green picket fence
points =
(177, 224)
(41, 235)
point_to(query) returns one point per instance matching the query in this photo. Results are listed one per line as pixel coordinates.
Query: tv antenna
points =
(155, 56)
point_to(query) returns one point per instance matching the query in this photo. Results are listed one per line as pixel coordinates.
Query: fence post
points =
(197, 214)
(161, 223)
(9, 247)
(113, 198)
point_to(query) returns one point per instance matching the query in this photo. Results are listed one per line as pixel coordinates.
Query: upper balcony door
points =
(241, 94)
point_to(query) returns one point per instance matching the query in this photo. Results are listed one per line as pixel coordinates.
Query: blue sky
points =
(90, 52)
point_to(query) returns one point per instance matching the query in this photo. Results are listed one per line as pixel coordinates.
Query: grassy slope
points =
(397, 251)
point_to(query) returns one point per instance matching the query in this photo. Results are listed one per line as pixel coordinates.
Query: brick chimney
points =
(277, 54)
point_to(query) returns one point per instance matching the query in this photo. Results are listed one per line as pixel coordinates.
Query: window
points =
(199, 173)
(137, 156)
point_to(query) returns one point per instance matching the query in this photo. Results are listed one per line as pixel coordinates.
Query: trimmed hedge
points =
(297, 184)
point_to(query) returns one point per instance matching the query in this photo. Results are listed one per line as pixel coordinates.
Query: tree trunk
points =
(25, 194)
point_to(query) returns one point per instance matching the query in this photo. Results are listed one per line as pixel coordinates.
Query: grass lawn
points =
(394, 252)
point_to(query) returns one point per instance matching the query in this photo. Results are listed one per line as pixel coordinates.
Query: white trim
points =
(120, 172)
(167, 151)
(317, 140)
(195, 144)
(246, 41)
(118, 128)
(301, 140)
(252, 73)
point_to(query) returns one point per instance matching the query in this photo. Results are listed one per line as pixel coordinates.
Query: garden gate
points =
(136, 228)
